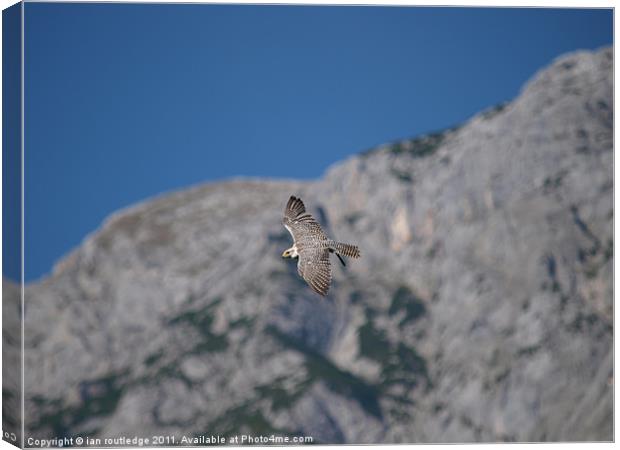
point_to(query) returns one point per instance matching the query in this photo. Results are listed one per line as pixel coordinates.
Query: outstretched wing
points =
(314, 267)
(294, 208)
(302, 226)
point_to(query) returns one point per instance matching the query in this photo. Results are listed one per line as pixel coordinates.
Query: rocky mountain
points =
(481, 309)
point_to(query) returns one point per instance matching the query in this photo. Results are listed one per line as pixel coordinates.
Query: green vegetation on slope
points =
(340, 381)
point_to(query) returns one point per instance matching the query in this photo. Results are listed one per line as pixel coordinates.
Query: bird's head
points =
(289, 253)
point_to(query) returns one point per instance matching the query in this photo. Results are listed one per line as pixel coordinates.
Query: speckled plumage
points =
(312, 246)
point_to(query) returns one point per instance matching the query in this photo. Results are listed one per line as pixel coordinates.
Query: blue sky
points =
(123, 102)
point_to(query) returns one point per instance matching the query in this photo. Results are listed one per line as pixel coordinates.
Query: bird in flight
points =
(312, 246)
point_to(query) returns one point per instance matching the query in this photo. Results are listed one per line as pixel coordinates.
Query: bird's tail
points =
(352, 251)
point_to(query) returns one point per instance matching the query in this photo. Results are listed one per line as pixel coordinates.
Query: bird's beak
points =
(285, 254)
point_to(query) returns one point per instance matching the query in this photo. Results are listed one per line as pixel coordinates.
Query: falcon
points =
(312, 246)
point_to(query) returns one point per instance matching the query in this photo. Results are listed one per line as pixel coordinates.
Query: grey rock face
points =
(11, 362)
(481, 309)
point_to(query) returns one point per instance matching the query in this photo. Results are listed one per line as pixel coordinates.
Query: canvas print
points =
(229, 224)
